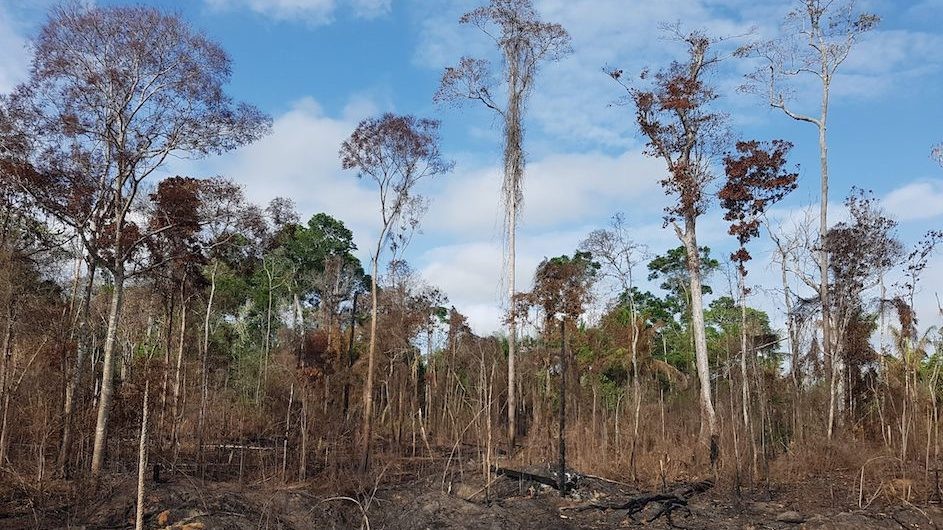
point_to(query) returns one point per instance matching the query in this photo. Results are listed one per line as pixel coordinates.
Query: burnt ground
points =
(431, 502)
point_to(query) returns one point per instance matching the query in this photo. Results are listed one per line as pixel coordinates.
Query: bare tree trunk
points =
(636, 384)
(204, 362)
(561, 479)
(142, 461)
(168, 359)
(299, 320)
(827, 346)
(791, 327)
(303, 456)
(513, 177)
(735, 432)
(263, 363)
(175, 409)
(488, 446)
(367, 427)
(6, 376)
(744, 378)
(76, 380)
(350, 354)
(512, 329)
(709, 430)
(107, 384)
(291, 397)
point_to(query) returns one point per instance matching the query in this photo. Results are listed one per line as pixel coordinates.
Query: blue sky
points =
(319, 66)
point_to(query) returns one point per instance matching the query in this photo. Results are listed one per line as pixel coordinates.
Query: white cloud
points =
(473, 274)
(572, 102)
(884, 60)
(924, 12)
(441, 39)
(462, 251)
(311, 11)
(916, 200)
(559, 189)
(888, 51)
(584, 162)
(299, 160)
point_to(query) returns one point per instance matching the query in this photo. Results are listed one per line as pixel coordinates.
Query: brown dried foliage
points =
(756, 179)
(675, 116)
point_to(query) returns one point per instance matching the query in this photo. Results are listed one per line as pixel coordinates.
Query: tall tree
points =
(525, 42)
(816, 39)
(675, 116)
(756, 179)
(116, 91)
(395, 152)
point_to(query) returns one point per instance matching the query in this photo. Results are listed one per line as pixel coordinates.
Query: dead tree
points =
(756, 179)
(142, 461)
(562, 288)
(682, 131)
(525, 43)
(817, 38)
(395, 152)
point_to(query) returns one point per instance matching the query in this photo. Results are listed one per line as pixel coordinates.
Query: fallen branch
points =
(677, 497)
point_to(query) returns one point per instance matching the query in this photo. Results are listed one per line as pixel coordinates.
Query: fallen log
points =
(669, 500)
(523, 475)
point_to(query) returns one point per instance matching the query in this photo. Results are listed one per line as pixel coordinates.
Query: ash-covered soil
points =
(458, 501)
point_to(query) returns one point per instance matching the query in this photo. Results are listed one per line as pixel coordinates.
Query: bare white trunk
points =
(512, 328)
(367, 427)
(263, 362)
(636, 384)
(709, 429)
(827, 345)
(107, 383)
(6, 376)
(204, 361)
(744, 378)
(291, 397)
(176, 409)
(142, 461)
(513, 182)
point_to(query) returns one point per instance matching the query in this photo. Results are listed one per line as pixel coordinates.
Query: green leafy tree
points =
(671, 270)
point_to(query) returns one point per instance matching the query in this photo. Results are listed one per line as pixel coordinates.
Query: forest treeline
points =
(266, 350)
